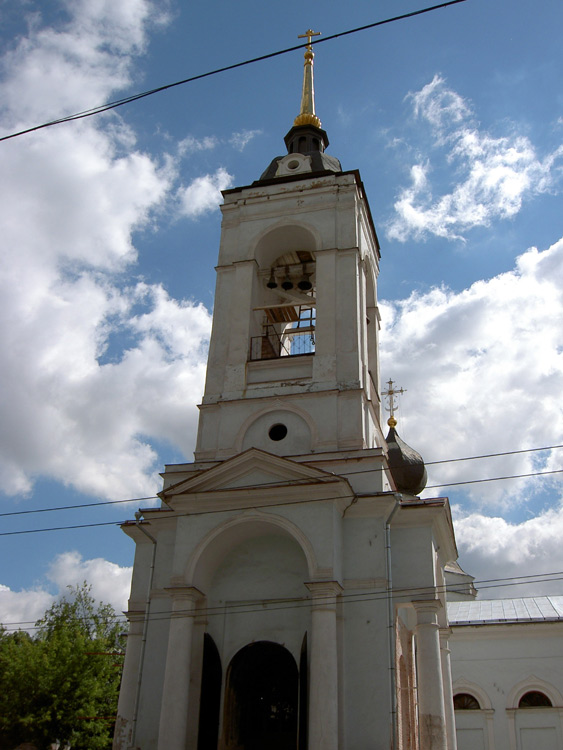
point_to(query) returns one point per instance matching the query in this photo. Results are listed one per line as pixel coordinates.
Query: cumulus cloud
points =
(495, 174)
(110, 583)
(485, 368)
(75, 405)
(21, 609)
(204, 193)
(492, 548)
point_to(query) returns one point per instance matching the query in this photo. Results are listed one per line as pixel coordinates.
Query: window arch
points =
(534, 699)
(466, 702)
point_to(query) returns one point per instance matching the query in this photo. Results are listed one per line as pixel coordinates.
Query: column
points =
(128, 689)
(431, 712)
(173, 727)
(196, 668)
(445, 634)
(323, 683)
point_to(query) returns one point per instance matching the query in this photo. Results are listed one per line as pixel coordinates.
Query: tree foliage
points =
(63, 681)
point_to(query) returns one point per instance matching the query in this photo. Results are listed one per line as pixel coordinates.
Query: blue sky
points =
(111, 230)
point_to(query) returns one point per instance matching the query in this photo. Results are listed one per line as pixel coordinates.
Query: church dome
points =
(406, 465)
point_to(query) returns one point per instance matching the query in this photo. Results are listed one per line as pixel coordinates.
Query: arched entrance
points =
(261, 701)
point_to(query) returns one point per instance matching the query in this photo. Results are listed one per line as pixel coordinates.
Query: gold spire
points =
(307, 114)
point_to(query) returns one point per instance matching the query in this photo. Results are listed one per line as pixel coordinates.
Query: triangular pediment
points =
(253, 469)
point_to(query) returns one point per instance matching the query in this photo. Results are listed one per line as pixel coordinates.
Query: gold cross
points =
(390, 393)
(309, 34)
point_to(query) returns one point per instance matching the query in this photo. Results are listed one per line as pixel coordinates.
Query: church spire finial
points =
(307, 114)
(390, 393)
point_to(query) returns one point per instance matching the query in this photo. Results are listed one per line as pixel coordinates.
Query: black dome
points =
(406, 465)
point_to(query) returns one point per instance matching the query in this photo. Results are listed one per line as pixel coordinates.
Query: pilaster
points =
(431, 710)
(323, 690)
(175, 695)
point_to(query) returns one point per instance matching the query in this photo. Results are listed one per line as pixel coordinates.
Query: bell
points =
(304, 284)
(272, 283)
(287, 283)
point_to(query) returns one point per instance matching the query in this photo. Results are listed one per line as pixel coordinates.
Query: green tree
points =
(63, 682)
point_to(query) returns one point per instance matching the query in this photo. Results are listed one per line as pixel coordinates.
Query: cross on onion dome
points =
(390, 394)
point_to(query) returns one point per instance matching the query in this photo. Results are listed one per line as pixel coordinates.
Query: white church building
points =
(290, 590)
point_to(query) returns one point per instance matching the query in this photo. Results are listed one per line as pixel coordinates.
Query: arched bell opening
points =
(262, 699)
(286, 316)
(285, 301)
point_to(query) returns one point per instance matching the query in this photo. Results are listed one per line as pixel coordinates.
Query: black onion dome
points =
(406, 465)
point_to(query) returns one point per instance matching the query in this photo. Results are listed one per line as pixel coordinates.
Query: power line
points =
(254, 506)
(301, 481)
(80, 505)
(496, 479)
(296, 602)
(134, 97)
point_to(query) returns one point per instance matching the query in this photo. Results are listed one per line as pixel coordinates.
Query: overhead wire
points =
(349, 472)
(298, 602)
(135, 97)
(254, 506)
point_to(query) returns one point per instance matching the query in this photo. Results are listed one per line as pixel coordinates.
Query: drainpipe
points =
(391, 621)
(138, 515)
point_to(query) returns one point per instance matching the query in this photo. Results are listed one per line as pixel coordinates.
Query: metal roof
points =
(499, 611)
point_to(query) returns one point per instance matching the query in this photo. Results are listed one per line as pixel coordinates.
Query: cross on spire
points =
(307, 114)
(308, 35)
(390, 394)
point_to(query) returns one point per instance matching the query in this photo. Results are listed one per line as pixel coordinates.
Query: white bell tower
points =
(288, 593)
(293, 364)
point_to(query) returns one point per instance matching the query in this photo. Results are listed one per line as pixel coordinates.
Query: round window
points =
(293, 164)
(277, 432)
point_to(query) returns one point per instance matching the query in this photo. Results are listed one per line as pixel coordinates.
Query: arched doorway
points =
(261, 701)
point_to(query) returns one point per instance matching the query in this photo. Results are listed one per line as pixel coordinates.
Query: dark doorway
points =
(303, 695)
(210, 697)
(261, 702)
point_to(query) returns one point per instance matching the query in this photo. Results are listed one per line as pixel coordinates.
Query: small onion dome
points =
(406, 465)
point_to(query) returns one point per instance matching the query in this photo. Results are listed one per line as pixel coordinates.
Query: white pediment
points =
(249, 470)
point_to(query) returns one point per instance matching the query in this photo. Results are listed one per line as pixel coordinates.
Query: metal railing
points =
(291, 343)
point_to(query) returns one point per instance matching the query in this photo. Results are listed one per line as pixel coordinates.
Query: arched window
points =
(466, 702)
(534, 699)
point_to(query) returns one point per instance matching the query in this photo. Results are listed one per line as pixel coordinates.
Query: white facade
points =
(285, 595)
(502, 651)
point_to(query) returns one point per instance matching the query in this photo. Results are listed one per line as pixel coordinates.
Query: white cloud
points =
(485, 369)
(204, 193)
(492, 548)
(190, 144)
(441, 106)
(21, 609)
(496, 174)
(242, 139)
(72, 197)
(110, 583)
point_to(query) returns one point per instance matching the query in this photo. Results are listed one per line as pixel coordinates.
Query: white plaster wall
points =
(255, 572)
(500, 658)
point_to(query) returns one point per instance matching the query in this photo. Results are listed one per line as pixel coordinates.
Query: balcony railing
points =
(292, 342)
